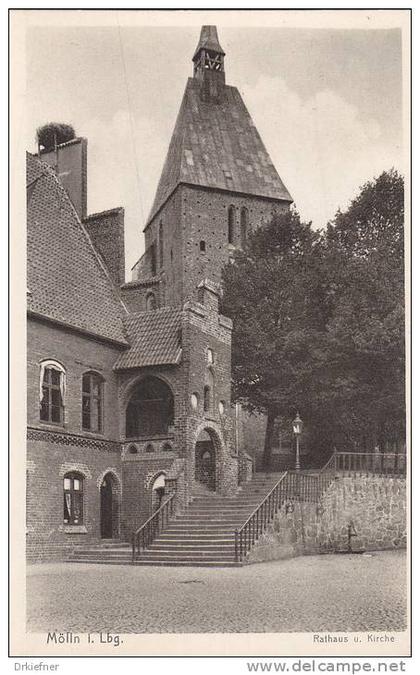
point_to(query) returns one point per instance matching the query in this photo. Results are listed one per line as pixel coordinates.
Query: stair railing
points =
(291, 487)
(304, 487)
(146, 533)
(381, 463)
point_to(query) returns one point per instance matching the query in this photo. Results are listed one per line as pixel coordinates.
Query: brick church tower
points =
(217, 182)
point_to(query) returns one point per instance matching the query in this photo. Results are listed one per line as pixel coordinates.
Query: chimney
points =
(69, 160)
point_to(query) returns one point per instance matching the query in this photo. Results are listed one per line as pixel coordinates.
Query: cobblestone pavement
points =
(308, 594)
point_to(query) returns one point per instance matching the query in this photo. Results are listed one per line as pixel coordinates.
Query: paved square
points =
(309, 594)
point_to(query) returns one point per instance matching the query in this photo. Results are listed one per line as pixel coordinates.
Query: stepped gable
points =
(66, 279)
(155, 339)
(216, 145)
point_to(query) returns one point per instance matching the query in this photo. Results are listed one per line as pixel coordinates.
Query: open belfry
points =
(131, 428)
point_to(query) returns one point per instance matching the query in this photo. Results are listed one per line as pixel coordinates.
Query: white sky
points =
(327, 104)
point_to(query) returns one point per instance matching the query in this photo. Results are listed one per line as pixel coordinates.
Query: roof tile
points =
(155, 339)
(212, 138)
(66, 279)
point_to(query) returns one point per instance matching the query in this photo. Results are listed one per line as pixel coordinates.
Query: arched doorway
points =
(109, 507)
(158, 491)
(150, 410)
(205, 461)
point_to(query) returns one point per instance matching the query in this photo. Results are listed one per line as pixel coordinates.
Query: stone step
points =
(187, 556)
(88, 557)
(155, 562)
(205, 536)
(221, 508)
(198, 529)
(100, 561)
(191, 546)
(211, 522)
(94, 552)
(107, 547)
(185, 553)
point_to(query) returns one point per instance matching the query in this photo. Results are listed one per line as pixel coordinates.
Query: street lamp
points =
(297, 430)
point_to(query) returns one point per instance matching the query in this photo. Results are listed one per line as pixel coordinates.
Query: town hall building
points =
(129, 397)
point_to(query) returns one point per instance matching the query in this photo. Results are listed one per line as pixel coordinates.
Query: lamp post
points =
(297, 430)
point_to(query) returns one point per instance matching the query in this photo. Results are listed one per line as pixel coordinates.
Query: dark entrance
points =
(205, 461)
(107, 510)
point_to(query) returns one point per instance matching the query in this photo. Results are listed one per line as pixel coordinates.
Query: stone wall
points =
(376, 505)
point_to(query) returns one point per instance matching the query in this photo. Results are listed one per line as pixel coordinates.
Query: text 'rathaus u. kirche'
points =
(129, 382)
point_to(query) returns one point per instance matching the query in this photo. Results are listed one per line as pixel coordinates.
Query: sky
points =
(326, 102)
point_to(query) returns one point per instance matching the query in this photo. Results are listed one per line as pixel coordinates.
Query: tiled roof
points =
(155, 339)
(217, 145)
(67, 280)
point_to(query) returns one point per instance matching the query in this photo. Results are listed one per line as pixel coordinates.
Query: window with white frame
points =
(52, 384)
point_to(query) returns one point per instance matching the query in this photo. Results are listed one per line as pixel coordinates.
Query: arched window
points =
(149, 447)
(150, 301)
(206, 400)
(231, 224)
(73, 498)
(150, 411)
(92, 402)
(161, 244)
(244, 225)
(152, 254)
(208, 391)
(52, 385)
(167, 447)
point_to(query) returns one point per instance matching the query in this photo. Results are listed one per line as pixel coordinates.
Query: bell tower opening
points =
(209, 65)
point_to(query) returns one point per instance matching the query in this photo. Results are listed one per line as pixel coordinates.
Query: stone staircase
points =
(203, 535)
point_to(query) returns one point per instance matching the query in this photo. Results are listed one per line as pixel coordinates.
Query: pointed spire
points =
(208, 40)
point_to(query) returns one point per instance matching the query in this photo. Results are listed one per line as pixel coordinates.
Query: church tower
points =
(217, 183)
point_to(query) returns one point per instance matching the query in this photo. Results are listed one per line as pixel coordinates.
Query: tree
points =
(273, 292)
(319, 322)
(367, 327)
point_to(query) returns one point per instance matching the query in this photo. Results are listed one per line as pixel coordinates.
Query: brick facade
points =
(84, 317)
(106, 230)
(195, 217)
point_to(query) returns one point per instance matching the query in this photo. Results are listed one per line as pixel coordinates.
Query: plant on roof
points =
(54, 133)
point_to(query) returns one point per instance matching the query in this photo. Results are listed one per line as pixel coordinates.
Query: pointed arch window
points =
(52, 386)
(161, 244)
(208, 393)
(244, 225)
(92, 402)
(231, 224)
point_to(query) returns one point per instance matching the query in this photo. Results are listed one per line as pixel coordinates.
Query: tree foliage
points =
(319, 322)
